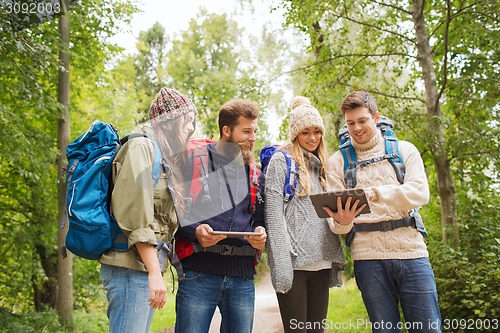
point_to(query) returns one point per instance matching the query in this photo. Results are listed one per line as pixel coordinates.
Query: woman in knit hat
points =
(304, 257)
(144, 211)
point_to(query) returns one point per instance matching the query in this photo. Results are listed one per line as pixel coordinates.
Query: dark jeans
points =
(200, 294)
(411, 282)
(306, 304)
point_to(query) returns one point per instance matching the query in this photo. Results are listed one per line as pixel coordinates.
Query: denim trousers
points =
(200, 294)
(127, 291)
(384, 283)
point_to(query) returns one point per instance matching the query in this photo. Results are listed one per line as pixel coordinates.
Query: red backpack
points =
(199, 156)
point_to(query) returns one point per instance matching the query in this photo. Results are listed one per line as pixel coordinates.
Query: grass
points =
(346, 311)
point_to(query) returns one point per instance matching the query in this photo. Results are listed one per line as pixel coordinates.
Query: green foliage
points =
(205, 64)
(47, 321)
(367, 45)
(28, 118)
(34, 322)
(149, 66)
(88, 292)
(467, 278)
(26, 168)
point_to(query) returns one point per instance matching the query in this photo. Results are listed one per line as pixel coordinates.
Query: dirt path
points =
(267, 316)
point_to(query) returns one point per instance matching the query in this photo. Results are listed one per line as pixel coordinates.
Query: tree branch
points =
(445, 55)
(376, 92)
(364, 55)
(348, 71)
(391, 6)
(409, 40)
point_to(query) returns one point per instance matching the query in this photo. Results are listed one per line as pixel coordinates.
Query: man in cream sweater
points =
(392, 265)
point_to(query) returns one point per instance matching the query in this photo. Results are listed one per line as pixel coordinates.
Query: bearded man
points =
(219, 272)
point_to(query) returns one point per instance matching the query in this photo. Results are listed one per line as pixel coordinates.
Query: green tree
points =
(150, 64)
(28, 115)
(416, 57)
(433, 66)
(206, 63)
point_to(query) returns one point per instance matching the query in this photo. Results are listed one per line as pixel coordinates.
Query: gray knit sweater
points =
(296, 236)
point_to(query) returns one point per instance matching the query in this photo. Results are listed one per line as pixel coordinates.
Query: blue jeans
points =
(200, 294)
(411, 282)
(127, 291)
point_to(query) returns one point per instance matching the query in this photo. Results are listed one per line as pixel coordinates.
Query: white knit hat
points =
(303, 115)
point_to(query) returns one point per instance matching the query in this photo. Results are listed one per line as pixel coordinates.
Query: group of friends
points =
(305, 253)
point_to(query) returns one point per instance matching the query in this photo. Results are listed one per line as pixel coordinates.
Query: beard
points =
(246, 149)
(247, 152)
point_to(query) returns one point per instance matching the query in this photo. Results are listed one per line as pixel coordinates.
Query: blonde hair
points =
(297, 153)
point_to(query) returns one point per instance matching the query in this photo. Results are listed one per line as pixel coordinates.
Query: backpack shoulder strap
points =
(199, 157)
(392, 151)
(158, 162)
(254, 185)
(350, 159)
(292, 175)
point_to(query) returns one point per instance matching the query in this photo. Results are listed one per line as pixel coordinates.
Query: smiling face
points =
(310, 138)
(361, 124)
(243, 135)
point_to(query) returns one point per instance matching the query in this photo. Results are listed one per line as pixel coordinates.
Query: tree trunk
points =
(446, 186)
(45, 290)
(64, 265)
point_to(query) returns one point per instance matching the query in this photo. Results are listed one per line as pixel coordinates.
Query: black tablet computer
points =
(329, 199)
(237, 234)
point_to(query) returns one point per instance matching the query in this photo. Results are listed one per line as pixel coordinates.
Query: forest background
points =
(433, 66)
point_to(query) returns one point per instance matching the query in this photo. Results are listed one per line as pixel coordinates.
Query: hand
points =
(205, 237)
(157, 290)
(257, 242)
(345, 216)
(157, 287)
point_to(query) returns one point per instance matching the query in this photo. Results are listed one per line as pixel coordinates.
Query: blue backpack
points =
(392, 154)
(92, 228)
(292, 170)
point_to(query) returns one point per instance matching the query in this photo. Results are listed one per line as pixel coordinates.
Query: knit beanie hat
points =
(303, 115)
(169, 104)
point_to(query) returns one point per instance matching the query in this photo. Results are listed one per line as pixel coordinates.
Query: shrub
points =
(468, 277)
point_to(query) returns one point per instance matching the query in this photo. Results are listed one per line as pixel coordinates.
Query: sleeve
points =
(335, 181)
(278, 242)
(132, 198)
(414, 192)
(187, 230)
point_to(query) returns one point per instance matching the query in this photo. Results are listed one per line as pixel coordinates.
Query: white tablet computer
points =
(237, 234)
(329, 199)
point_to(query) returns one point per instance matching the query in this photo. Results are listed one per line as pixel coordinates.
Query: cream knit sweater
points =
(391, 201)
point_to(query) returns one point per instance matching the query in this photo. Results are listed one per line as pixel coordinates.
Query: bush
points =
(36, 322)
(468, 277)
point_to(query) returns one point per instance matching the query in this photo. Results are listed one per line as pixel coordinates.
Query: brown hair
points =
(358, 99)
(233, 109)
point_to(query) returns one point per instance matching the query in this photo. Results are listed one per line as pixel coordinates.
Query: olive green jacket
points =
(145, 214)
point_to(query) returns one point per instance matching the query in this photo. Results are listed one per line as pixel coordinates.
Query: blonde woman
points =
(305, 258)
